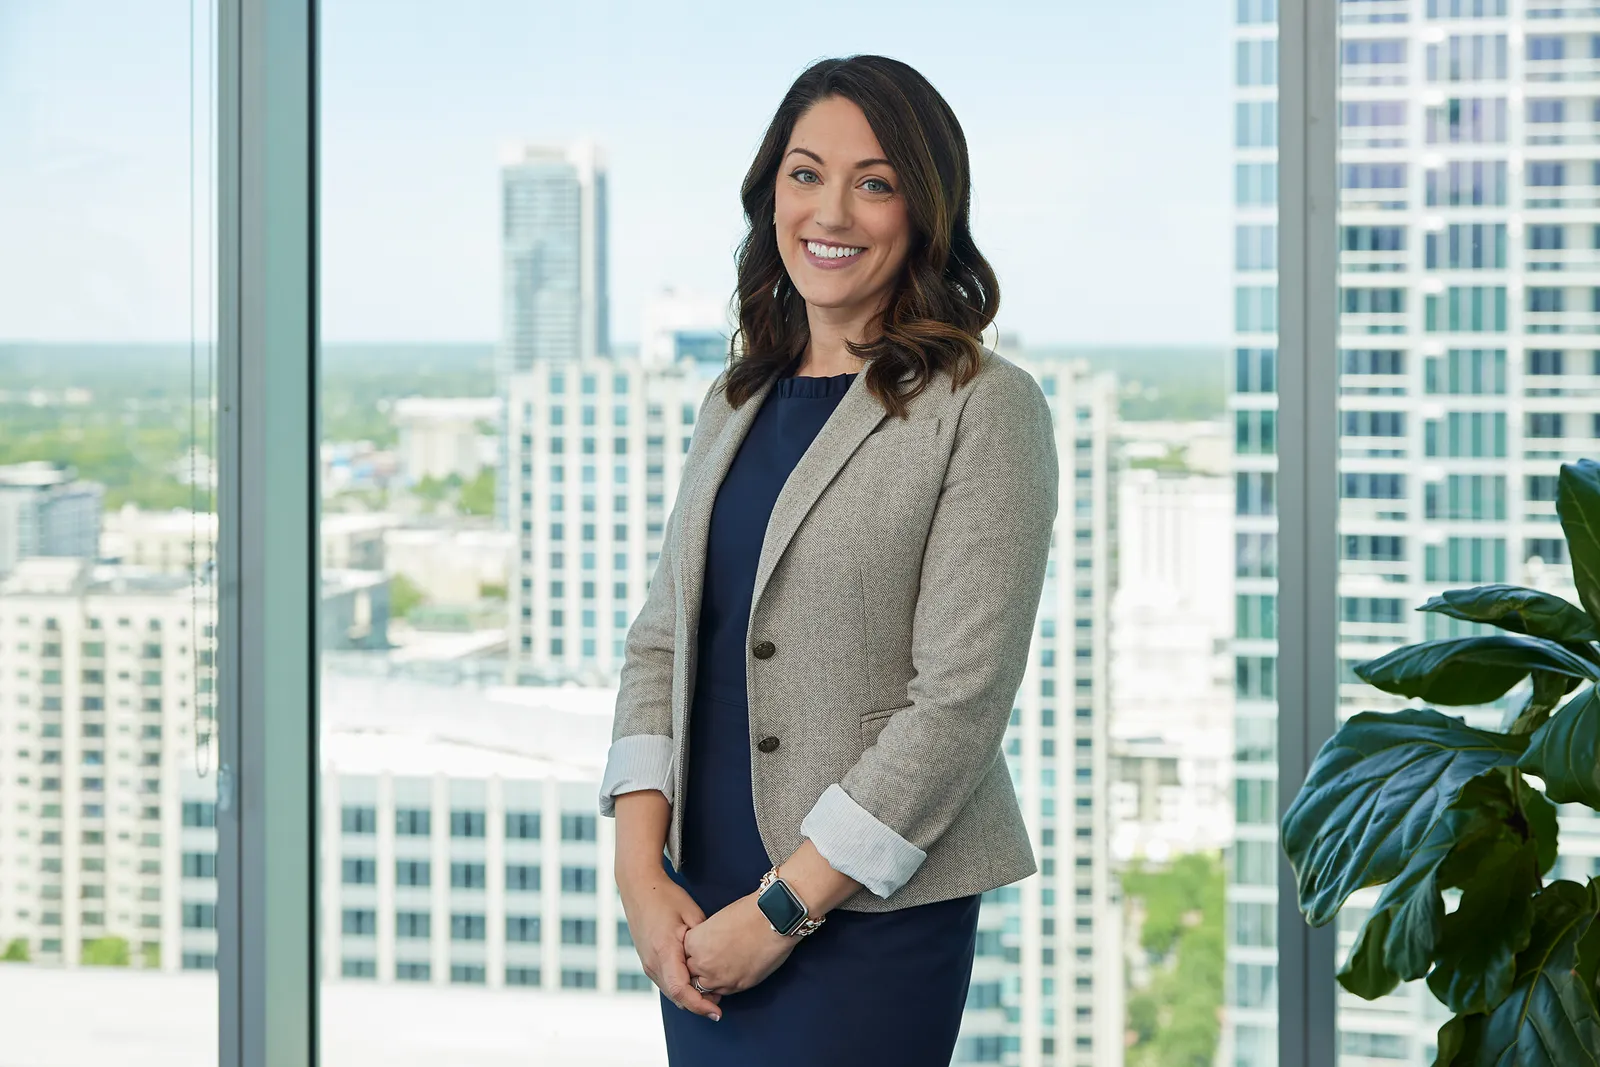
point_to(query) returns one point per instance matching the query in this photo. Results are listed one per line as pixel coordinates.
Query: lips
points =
(822, 263)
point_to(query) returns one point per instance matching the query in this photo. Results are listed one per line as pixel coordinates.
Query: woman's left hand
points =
(736, 948)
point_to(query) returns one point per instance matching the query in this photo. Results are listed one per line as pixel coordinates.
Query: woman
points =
(814, 694)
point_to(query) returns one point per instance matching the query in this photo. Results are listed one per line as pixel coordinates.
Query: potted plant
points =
(1419, 802)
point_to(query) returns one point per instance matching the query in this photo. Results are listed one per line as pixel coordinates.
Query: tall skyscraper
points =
(1468, 374)
(555, 300)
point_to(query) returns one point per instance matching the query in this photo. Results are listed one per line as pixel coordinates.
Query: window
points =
(356, 819)
(199, 864)
(578, 879)
(522, 878)
(468, 876)
(199, 814)
(467, 824)
(412, 873)
(522, 825)
(578, 827)
(360, 922)
(412, 925)
(360, 871)
(467, 926)
(412, 822)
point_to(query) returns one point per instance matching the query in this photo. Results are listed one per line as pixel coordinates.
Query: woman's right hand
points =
(659, 914)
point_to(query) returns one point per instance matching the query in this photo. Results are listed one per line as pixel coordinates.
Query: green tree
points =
(151, 951)
(477, 496)
(106, 952)
(16, 951)
(431, 490)
(1173, 1021)
(404, 596)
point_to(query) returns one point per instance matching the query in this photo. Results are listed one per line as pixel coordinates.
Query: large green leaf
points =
(1453, 1038)
(1367, 973)
(1578, 505)
(1565, 752)
(1470, 670)
(1520, 610)
(1399, 939)
(1481, 938)
(1374, 793)
(1550, 1018)
(1542, 824)
(1544, 696)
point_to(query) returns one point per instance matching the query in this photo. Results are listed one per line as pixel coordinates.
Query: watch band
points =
(807, 924)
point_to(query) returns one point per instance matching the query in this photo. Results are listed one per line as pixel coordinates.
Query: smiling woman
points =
(874, 809)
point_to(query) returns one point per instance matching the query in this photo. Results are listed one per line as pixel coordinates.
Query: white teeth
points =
(829, 251)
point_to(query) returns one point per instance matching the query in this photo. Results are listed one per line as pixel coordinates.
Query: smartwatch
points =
(786, 913)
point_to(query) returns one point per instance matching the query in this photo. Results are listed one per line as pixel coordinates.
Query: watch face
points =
(781, 907)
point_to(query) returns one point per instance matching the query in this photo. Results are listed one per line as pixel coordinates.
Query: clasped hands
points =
(735, 949)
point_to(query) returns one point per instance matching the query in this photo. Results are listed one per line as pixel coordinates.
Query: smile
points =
(830, 257)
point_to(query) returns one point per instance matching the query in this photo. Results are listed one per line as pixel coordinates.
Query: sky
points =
(1098, 135)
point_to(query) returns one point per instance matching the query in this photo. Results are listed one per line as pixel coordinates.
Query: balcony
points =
(1569, 69)
(1562, 260)
(1565, 10)
(1565, 322)
(1376, 12)
(1547, 133)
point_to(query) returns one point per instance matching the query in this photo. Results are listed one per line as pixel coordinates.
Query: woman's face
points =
(835, 188)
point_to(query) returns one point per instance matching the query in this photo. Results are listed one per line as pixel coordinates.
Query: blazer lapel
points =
(856, 416)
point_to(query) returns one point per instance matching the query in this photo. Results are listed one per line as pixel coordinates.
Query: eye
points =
(802, 170)
(880, 181)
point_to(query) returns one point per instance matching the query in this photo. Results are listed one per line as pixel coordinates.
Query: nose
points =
(833, 210)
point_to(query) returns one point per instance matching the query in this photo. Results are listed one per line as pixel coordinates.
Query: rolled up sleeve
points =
(641, 761)
(982, 577)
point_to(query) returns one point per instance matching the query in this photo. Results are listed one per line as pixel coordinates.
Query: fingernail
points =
(716, 1018)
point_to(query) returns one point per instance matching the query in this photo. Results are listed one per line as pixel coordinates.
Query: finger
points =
(681, 993)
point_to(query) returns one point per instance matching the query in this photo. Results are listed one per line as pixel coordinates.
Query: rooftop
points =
(407, 727)
(160, 1019)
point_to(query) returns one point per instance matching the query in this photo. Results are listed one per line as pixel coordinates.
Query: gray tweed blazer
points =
(910, 556)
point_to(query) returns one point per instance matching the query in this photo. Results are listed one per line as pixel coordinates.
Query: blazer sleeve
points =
(982, 576)
(641, 753)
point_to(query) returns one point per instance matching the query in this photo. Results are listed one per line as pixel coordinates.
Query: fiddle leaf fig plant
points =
(1423, 804)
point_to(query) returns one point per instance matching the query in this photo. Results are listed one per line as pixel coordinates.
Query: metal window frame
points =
(269, 514)
(1308, 487)
(268, 517)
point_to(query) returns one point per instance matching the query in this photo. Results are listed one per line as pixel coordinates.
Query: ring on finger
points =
(696, 983)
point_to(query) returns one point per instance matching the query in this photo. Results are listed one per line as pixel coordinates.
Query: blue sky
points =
(1098, 135)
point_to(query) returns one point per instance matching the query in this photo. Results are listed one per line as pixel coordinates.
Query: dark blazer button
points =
(763, 649)
(767, 744)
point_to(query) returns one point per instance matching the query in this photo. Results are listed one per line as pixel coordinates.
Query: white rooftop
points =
(466, 408)
(407, 727)
(131, 1018)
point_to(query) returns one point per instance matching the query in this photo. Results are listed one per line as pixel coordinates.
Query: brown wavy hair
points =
(947, 293)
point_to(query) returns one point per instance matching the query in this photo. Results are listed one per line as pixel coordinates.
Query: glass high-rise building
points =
(1469, 257)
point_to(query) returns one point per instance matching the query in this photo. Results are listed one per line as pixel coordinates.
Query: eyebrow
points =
(819, 159)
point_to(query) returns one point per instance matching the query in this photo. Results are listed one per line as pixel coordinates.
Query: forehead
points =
(838, 131)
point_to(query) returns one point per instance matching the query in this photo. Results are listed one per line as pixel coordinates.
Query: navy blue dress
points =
(866, 989)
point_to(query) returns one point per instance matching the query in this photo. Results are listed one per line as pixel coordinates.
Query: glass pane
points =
(108, 843)
(526, 227)
(1467, 362)
(1250, 1031)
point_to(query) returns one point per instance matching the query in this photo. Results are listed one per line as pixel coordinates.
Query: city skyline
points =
(412, 250)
